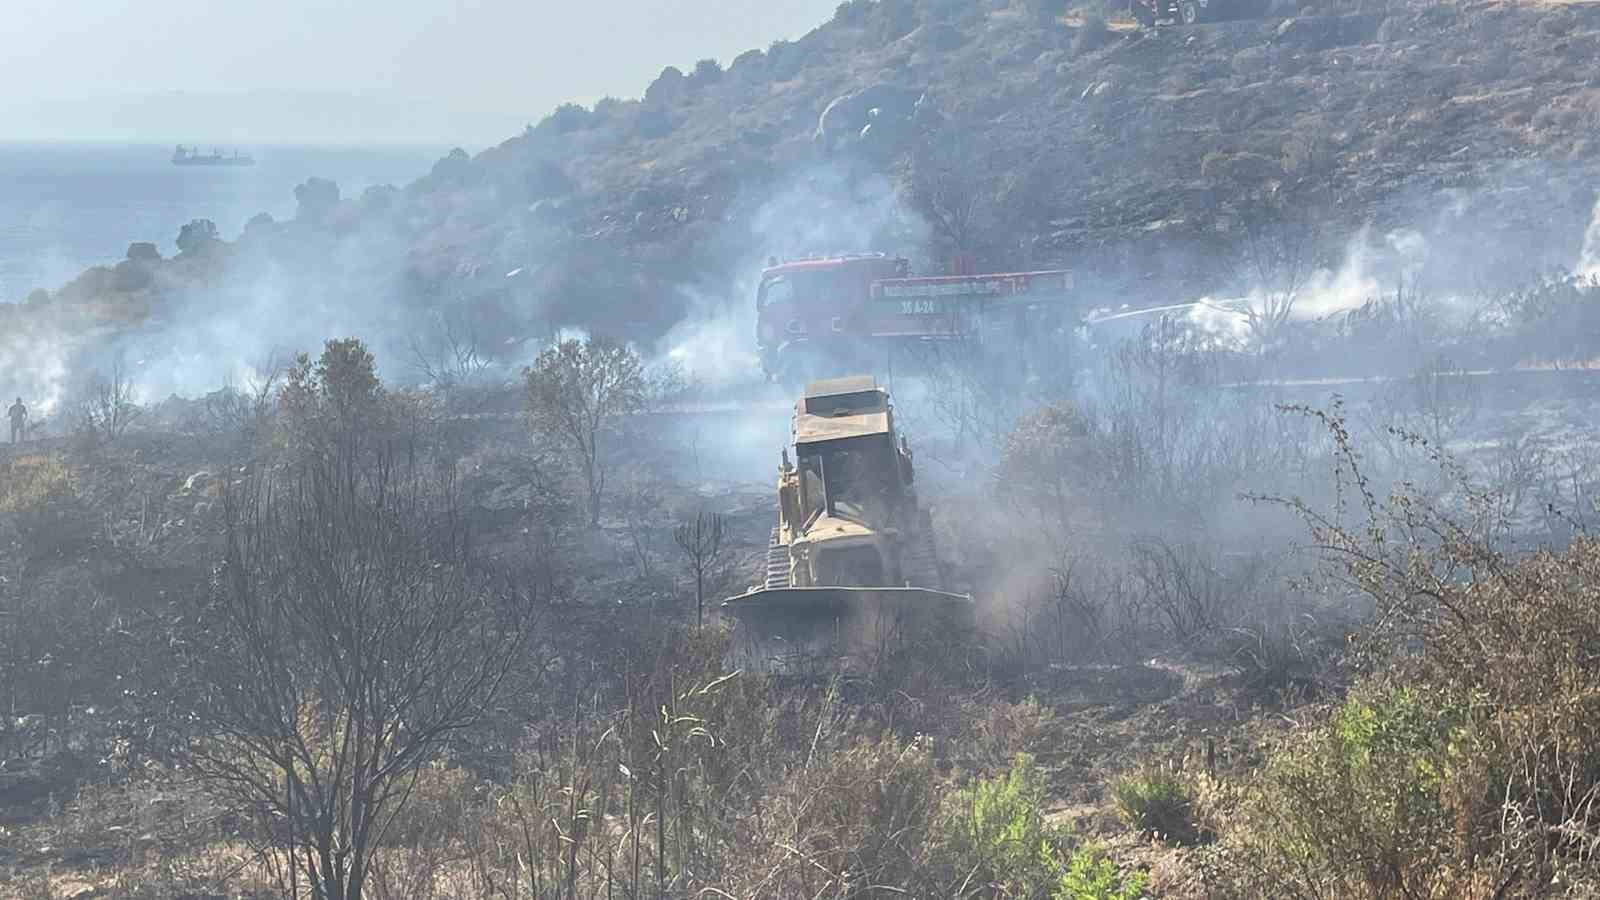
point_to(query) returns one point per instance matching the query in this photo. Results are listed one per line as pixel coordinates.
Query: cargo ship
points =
(185, 156)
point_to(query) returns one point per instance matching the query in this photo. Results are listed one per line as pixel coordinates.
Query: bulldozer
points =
(851, 570)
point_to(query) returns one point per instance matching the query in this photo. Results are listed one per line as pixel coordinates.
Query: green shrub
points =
(1372, 803)
(997, 827)
(1157, 801)
(1469, 760)
(1093, 875)
(995, 831)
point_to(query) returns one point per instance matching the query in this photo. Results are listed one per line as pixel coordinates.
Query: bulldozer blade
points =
(805, 630)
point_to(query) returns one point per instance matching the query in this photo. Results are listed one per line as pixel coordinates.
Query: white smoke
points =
(1223, 320)
(1589, 257)
(1328, 292)
(715, 345)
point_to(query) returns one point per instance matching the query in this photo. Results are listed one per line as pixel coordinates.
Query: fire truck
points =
(820, 316)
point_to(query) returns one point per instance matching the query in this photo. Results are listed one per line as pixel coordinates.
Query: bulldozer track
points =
(922, 565)
(776, 573)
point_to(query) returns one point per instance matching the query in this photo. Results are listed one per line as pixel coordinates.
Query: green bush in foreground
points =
(1466, 763)
(1372, 803)
(996, 827)
(1092, 875)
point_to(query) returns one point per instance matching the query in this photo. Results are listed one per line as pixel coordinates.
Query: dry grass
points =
(30, 480)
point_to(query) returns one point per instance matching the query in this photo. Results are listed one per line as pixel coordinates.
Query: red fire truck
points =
(817, 317)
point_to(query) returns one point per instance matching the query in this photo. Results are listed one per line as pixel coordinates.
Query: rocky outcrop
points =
(881, 115)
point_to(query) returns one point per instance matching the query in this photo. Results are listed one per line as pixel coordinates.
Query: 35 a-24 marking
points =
(919, 307)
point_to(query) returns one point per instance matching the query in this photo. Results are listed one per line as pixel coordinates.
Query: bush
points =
(1471, 756)
(1042, 458)
(1157, 801)
(197, 236)
(1093, 875)
(994, 831)
(997, 828)
(1282, 663)
(1368, 804)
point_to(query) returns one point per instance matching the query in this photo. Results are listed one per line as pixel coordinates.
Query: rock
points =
(548, 209)
(845, 118)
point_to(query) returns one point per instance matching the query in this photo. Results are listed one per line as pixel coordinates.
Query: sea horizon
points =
(66, 206)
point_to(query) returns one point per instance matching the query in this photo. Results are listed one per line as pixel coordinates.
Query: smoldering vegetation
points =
(1281, 551)
(328, 634)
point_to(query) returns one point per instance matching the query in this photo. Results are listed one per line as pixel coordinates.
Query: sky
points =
(134, 69)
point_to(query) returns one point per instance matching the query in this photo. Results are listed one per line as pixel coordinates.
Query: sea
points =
(66, 207)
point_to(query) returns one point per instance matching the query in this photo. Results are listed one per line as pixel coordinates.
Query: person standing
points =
(19, 421)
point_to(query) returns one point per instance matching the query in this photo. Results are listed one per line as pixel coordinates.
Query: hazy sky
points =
(480, 59)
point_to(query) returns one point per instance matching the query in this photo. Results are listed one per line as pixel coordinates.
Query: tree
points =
(1275, 260)
(197, 236)
(565, 119)
(576, 392)
(667, 86)
(348, 634)
(332, 407)
(701, 543)
(450, 358)
(947, 182)
(107, 404)
(1043, 458)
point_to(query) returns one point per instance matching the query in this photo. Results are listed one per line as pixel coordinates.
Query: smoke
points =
(714, 347)
(1589, 257)
(824, 209)
(833, 208)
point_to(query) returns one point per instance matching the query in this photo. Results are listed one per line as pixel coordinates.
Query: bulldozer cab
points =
(853, 479)
(849, 466)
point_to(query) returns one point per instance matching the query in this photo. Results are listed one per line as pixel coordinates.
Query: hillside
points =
(1141, 158)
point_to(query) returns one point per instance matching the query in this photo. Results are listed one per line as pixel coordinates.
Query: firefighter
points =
(18, 414)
